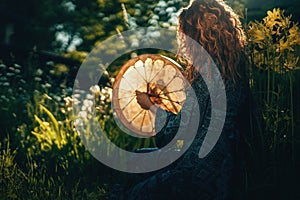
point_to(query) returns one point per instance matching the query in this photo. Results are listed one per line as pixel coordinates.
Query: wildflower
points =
(2, 66)
(83, 114)
(162, 4)
(294, 35)
(3, 78)
(68, 101)
(88, 103)
(273, 19)
(37, 79)
(171, 9)
(47, 97)
(284, 136)
(275, 14)
(69, 109)
(46, 124)
(76, 96)
(17, 66)
(294, 30)
(99, 108)
(48, 85)
(173, 20)
(112, 80)
(285, 44)
(43, 86)
(78, 122)
(286, 21)
(274, 40)
(291, 63)
(257, 35)
(75, 101)
(62, 85)
(50, 63)
(57, 98)
(90, 96)
(39, 72)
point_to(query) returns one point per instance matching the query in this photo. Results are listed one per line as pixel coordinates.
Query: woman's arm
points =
(166, 125)
(188, 120)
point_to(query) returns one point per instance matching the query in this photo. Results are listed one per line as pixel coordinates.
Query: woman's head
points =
(217, 29)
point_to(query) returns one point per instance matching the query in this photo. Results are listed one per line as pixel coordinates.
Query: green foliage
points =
(62, 25)
(34, 182)
(274, 64)
(46, 159)
(272, 45)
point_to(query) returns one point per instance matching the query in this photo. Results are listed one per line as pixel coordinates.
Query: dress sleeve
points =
(167, 123)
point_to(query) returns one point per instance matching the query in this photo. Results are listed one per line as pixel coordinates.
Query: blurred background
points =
(42, 45)
(61, 26)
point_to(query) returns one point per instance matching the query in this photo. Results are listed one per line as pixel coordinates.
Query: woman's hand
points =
(144, 100)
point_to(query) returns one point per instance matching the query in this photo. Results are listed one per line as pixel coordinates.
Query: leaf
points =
(53, 120)
(42, 138)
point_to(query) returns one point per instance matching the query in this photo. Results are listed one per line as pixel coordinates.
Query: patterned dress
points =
(217, 175)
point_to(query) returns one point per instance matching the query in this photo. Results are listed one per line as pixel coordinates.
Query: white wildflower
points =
(83, 114)
(171, 10)
(39, 72)
(38, 79)
(88, 103)
(48, 85)
(17, 66)
(162, 4)
(90, 96)
(78, 122)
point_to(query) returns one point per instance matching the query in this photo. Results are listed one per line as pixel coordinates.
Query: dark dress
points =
(216, 176)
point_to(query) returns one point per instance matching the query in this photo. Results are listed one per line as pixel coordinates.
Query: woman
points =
(214, 26)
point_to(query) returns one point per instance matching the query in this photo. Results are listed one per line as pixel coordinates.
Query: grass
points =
(42, 156)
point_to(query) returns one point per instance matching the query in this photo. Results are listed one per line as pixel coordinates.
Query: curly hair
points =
(216, 27)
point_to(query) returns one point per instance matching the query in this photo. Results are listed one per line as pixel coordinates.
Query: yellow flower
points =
(257, 32)
(258, 35)
(285, 44)
(291, 63)
(274, 40)
(276, 22)
(273, 18)
(276, 14)
(258, 59)
(286, 21)
(294, 30)
(294, 35)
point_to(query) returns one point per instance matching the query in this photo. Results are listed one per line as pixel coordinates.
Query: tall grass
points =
(45, 158)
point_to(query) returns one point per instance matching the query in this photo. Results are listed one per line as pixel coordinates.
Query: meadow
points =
(42, 155)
